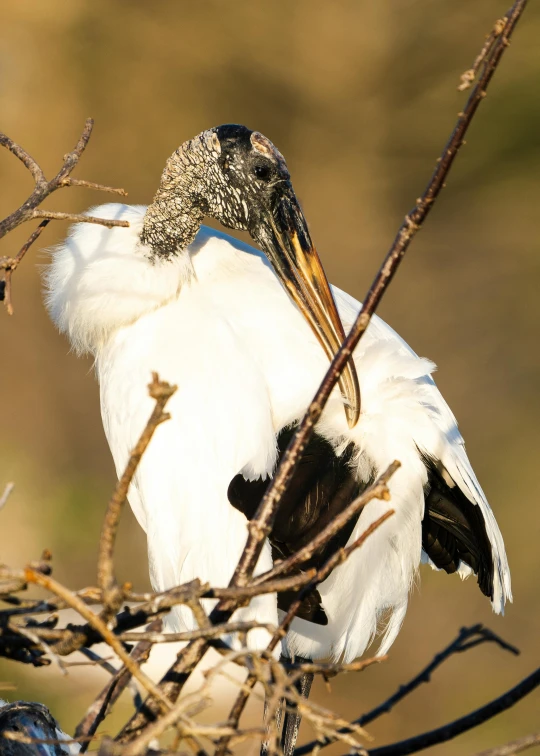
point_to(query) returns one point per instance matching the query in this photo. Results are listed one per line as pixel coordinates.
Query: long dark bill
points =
(289, 248)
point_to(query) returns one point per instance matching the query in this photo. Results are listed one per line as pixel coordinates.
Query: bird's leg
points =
(265, 746)
(292, 718)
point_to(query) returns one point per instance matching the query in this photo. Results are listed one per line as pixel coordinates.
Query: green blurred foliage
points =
(360, 97)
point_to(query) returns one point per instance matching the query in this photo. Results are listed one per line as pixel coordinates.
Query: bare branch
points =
(336, 559)
(329, 670)
(26, 159)
(93, 185)
(469, 76)
(170, 686)
(161, 392)
(379, 490)
(42, 189)
(468, 637)
(213, 631)
(468, 722)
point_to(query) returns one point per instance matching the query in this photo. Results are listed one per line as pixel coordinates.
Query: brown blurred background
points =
(360, 97)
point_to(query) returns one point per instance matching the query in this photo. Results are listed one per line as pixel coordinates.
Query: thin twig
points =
(213, 631)
(170, 685)
(469, 76)
(139, 746)
(93, 185)
(378, 490)
(327, 669)
(515, 746)
(334, 561)
(10, 264)
(26, 159)
(43, 188)
(73, 637)
(459, 645)
(5, 496)
(161, 392)
(80, 218)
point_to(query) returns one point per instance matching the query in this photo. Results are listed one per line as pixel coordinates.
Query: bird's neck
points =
(169, 227)
(173, 219)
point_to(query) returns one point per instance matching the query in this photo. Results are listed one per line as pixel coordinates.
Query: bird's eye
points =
(262, 172)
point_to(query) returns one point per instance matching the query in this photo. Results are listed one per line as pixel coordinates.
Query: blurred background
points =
(360, 97)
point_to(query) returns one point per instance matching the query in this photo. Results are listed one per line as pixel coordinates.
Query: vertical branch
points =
(262, 524)
(161, 392)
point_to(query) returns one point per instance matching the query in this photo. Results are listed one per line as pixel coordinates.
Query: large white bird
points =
(246, 337)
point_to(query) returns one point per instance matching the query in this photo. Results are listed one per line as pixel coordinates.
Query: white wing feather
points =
(449, 448)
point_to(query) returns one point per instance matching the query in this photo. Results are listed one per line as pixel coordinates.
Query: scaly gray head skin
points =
(226, 173)
(238, 177)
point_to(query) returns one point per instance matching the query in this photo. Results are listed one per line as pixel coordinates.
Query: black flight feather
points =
(453, 529)
(322, 486)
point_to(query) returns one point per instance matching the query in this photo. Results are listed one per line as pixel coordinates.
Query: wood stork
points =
(246, 337)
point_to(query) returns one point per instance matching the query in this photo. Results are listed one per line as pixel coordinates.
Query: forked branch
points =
(30, 210)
